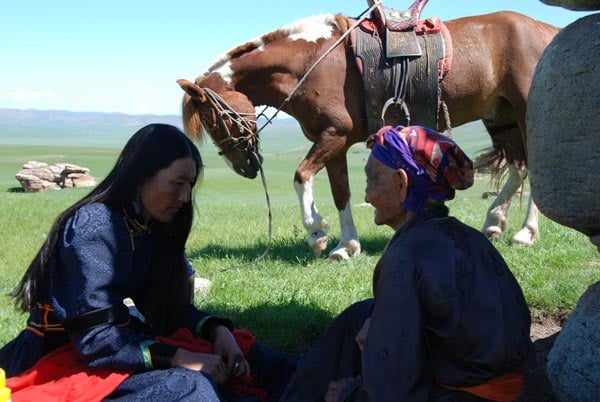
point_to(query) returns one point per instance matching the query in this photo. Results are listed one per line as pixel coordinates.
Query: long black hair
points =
(152, 148)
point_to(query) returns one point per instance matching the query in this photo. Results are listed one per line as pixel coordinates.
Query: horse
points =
(308, 69)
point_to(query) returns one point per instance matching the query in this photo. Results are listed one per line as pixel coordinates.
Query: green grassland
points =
(288, 298)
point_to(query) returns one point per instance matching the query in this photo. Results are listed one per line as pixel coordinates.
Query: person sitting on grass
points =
(126, 240)
(448, 321)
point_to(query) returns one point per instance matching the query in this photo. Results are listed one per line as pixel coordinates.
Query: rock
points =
(577, 5)
(562, 127)
(574, 360)
(39, 176)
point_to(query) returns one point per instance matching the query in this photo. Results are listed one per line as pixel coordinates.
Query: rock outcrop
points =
(39, 176)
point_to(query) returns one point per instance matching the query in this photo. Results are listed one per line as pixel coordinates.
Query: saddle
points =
(402, 60)
(398, 27)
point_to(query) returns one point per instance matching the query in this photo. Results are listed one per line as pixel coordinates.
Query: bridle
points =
(222, 114)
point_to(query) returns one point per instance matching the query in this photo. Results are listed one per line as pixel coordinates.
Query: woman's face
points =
(168, 190)
(384, 192)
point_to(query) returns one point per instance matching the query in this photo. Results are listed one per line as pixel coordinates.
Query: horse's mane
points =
(192, 124)
(338, 21)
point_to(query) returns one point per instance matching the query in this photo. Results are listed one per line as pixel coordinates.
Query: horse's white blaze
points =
(310, 29)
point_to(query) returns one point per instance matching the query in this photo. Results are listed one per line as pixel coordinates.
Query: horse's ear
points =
(193, 90)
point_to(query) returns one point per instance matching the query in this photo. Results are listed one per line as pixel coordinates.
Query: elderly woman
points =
(448, 321)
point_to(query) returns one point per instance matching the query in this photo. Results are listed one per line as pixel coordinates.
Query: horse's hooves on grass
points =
(318, 243)
(339, 255)
(493, 232)
(524, 237)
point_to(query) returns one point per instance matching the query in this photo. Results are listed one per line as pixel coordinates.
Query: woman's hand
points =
(226, 346)
(209, 364)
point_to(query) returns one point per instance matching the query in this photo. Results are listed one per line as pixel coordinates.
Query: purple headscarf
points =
(434, 164)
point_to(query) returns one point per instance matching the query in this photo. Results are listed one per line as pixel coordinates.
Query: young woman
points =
(126, 239)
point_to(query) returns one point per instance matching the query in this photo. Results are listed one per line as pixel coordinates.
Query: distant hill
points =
(59, 127)
(63, 128)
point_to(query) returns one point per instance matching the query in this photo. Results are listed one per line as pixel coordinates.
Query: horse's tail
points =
(492, 161)
(192, 123)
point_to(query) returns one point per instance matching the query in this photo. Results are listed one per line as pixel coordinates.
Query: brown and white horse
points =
(494, 57)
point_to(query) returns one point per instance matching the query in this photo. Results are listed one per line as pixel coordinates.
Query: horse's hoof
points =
(493, 232)
(339, 255)
(318, 243)
(524, 237)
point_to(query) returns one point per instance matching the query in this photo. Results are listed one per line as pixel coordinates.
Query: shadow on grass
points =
(15, 190)
(290, 328)
(287, 250)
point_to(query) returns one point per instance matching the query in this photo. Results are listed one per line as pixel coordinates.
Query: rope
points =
(264, 254)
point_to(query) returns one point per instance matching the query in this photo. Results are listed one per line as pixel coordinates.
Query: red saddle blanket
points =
(62, 376)
(429, 26)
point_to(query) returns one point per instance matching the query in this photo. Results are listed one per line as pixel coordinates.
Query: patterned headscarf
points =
(434, 164)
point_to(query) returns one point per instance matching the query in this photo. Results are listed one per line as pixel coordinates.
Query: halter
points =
(222, 113)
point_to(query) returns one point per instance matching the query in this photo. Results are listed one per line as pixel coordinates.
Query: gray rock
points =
(39, 176)
(574, 360)
(577, 5)
(563, 116)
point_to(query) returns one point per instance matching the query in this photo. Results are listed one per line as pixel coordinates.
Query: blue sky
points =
(125, 56)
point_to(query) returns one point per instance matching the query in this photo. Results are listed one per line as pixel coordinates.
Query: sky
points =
(126, 55)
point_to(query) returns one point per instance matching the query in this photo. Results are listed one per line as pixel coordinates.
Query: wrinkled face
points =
(384, 193)
(168, 190)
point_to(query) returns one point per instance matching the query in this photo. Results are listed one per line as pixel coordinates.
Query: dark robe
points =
(446, 310)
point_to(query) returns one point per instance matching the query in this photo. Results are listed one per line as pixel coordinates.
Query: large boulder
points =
(574, 360)
(39, 176)
(578, 5)
(563, 120)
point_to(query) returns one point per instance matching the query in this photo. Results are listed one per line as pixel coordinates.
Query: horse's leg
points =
(327, 151)
(316, 227)
(496, 221)
(349, 245)
(530, 230)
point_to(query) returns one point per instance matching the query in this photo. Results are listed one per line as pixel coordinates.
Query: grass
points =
(288, 298)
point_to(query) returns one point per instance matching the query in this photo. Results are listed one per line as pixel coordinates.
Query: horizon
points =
(125, 57)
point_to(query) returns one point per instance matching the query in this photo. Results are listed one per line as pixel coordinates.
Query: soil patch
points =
(545, 327)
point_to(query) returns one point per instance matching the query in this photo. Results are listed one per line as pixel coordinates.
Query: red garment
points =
(62, 376)
(241, 386)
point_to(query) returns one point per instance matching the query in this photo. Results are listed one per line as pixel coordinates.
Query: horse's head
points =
(229, 118)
